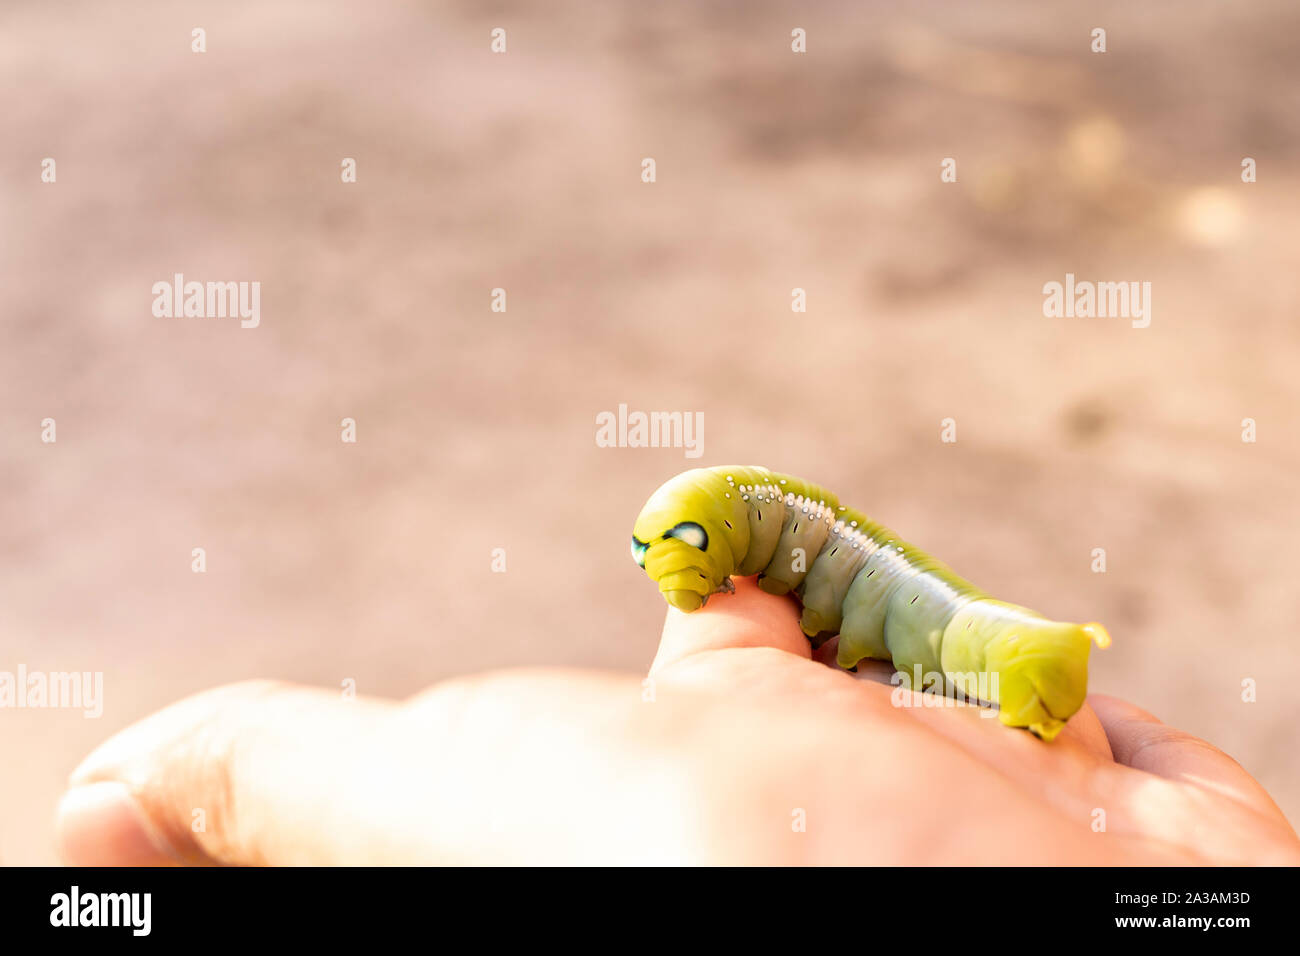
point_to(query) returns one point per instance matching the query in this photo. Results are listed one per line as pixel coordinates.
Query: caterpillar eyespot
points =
(1033, 668)
(688, 532)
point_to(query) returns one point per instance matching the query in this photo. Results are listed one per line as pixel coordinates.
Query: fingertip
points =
(1131, 731)
(1114, 709)
(1140, 740)
(101, 824)
(747, 618)
(1086, 728)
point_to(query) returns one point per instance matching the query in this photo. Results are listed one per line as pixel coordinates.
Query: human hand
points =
(737, 737)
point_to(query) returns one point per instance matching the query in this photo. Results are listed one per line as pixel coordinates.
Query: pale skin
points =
(740, 748)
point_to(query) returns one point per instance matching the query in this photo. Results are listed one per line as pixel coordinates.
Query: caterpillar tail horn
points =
(1099, 634)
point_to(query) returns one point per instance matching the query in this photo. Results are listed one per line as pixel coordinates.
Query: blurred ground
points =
(329, 561)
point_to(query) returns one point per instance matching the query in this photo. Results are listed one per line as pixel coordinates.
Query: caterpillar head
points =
(686, 535)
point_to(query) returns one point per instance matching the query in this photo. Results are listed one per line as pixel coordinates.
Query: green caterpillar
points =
(884, 598)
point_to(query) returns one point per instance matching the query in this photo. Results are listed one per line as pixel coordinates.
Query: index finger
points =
(747, 618)
(504, 768)
(1140, 740)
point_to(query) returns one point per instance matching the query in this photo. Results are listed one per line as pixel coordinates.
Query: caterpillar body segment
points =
(886, 599)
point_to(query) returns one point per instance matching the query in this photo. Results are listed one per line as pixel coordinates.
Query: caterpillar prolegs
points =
(885, 598)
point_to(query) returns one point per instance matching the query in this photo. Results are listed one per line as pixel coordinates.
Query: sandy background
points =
(329, 561)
